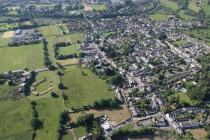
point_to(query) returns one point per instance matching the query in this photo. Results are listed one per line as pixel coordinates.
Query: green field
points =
(158, 16)
(84, 87)
(49, 110)
(72, 49)
(201, 34)
(205, 7)
(51, 77)
(6, 26)
(52, 30)
(15, 120)
(79, 131)
(4, 90)
(73, 38)
(170, 4)
(15, 58)
(183, 97)
(180, 42)
(184, 16)
(99, 7)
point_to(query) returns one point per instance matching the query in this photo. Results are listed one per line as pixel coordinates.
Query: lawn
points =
(170, 4)
(84, 87)
(99, 7)
(4, 90)
(51, 30)
(184, 16)
(15, 58)
(15, 119)
(79, 132)
(72, 49)
(49, 110)
(158, 16)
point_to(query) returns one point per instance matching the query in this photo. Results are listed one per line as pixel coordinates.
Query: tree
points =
(54, 95)
(86, 120)
(117, 80)
(36, 123)
(60, 86)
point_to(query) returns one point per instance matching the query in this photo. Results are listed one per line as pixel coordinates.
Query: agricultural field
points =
(72, 49)
(15, 58)
(15, 119)
(99, 7)
(84, 87)
(184, 16)
(158, 16)
(5, 38)
(7, 26)
(49, 110)
(4, 90)
(170, 4)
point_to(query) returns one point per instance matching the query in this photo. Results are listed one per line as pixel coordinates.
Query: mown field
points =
(99, 7)
(15, 58)
(15, 119)
(83, 87)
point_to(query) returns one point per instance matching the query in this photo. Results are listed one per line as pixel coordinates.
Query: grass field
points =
(193, 6)
(170, 4)
(84, 87)
(3, 40)
(73, 38)
(99, 7)
(184, 16)
(201, 34)
(15, 58)
(49, 110)
(52, 30)
(51, 77)
(79, 131)
(4, 90)
(72, 49)
(159, 16)
(6, 26)
(15, 120)
(179, 42)
(205, 7)
(183, 97)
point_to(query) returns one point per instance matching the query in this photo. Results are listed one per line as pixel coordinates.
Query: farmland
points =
(83, 87)
(15, 58)
(72, 49)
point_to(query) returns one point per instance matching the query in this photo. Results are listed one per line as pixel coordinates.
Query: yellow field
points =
(8, 34)
(193, 6)
(199, 134)
(117, 116)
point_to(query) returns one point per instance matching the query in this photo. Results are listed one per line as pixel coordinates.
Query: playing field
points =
(83, 87)
(15, 119)
(170, 4)
(15, 58)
